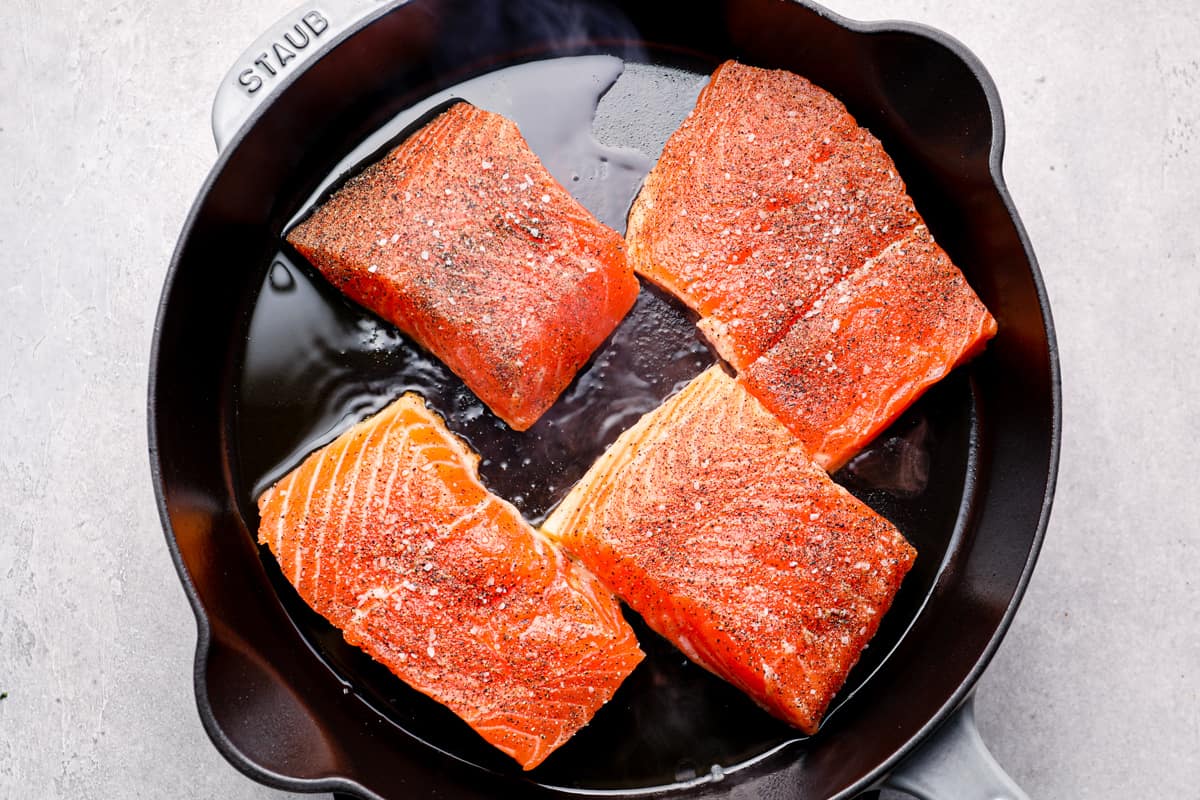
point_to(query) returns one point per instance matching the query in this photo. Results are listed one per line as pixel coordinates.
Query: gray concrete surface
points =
(104, 141)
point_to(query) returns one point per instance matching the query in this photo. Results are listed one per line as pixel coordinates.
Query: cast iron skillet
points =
(285, 711)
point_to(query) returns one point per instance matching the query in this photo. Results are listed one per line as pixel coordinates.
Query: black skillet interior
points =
(238, 394)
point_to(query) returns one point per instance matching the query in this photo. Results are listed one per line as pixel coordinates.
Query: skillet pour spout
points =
(279, 692)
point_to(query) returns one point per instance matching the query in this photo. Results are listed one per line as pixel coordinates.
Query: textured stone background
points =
(104, 141)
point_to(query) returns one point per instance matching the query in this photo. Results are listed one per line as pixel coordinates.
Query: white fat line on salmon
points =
(461, 519)
(380, 450)
(400, 458)
(346, 440)
(287, 498)
(301, 528)
(430, 462)
(863, 269)
(371, 599)
(592, 590)
(538, 748)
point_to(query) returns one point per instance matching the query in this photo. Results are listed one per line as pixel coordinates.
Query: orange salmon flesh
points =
(462, 239)
(709, 518)
(388, 533)
(772, 213)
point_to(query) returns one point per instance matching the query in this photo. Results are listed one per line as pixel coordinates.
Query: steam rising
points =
(475, 31)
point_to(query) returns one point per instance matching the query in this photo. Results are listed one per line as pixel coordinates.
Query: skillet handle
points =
(294, 40)
(954, 764)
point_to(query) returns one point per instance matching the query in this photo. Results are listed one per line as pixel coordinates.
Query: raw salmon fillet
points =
(870, 347)
(769, 201)
(463, 240)
(388, 533)
(710, 520)
(766, 195)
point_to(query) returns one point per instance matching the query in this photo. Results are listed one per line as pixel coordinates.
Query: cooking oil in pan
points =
(315, 363)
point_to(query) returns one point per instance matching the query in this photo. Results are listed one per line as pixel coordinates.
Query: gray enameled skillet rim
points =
(336, 784)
